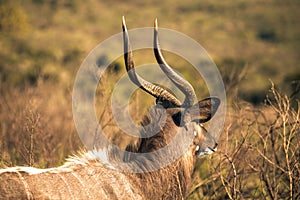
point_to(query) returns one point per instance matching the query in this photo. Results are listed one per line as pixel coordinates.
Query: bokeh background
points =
(255, 45)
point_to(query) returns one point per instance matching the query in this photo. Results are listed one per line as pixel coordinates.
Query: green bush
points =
(13, 19)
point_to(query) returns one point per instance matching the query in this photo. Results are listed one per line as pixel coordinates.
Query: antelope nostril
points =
(216, 145)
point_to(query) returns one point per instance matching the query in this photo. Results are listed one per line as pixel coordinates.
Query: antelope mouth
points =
(206, 151)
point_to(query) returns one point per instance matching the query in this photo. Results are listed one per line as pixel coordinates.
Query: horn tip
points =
(155, 23)
(123, 22)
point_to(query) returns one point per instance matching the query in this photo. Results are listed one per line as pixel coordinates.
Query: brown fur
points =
(86, 178)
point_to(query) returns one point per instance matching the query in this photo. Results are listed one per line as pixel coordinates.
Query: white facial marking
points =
(207, 151)
(195, 133)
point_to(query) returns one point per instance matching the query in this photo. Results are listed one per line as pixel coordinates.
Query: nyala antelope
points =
(91, 175)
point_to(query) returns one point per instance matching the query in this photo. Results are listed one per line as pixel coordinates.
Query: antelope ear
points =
(204, 110)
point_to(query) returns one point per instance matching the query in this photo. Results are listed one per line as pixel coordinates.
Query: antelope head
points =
(182, 118)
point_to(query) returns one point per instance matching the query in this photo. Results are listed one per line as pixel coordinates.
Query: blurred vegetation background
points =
(43, 43)
(49, 39)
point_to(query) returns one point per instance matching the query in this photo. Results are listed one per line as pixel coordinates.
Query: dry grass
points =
(36, 126)
(259, 153)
